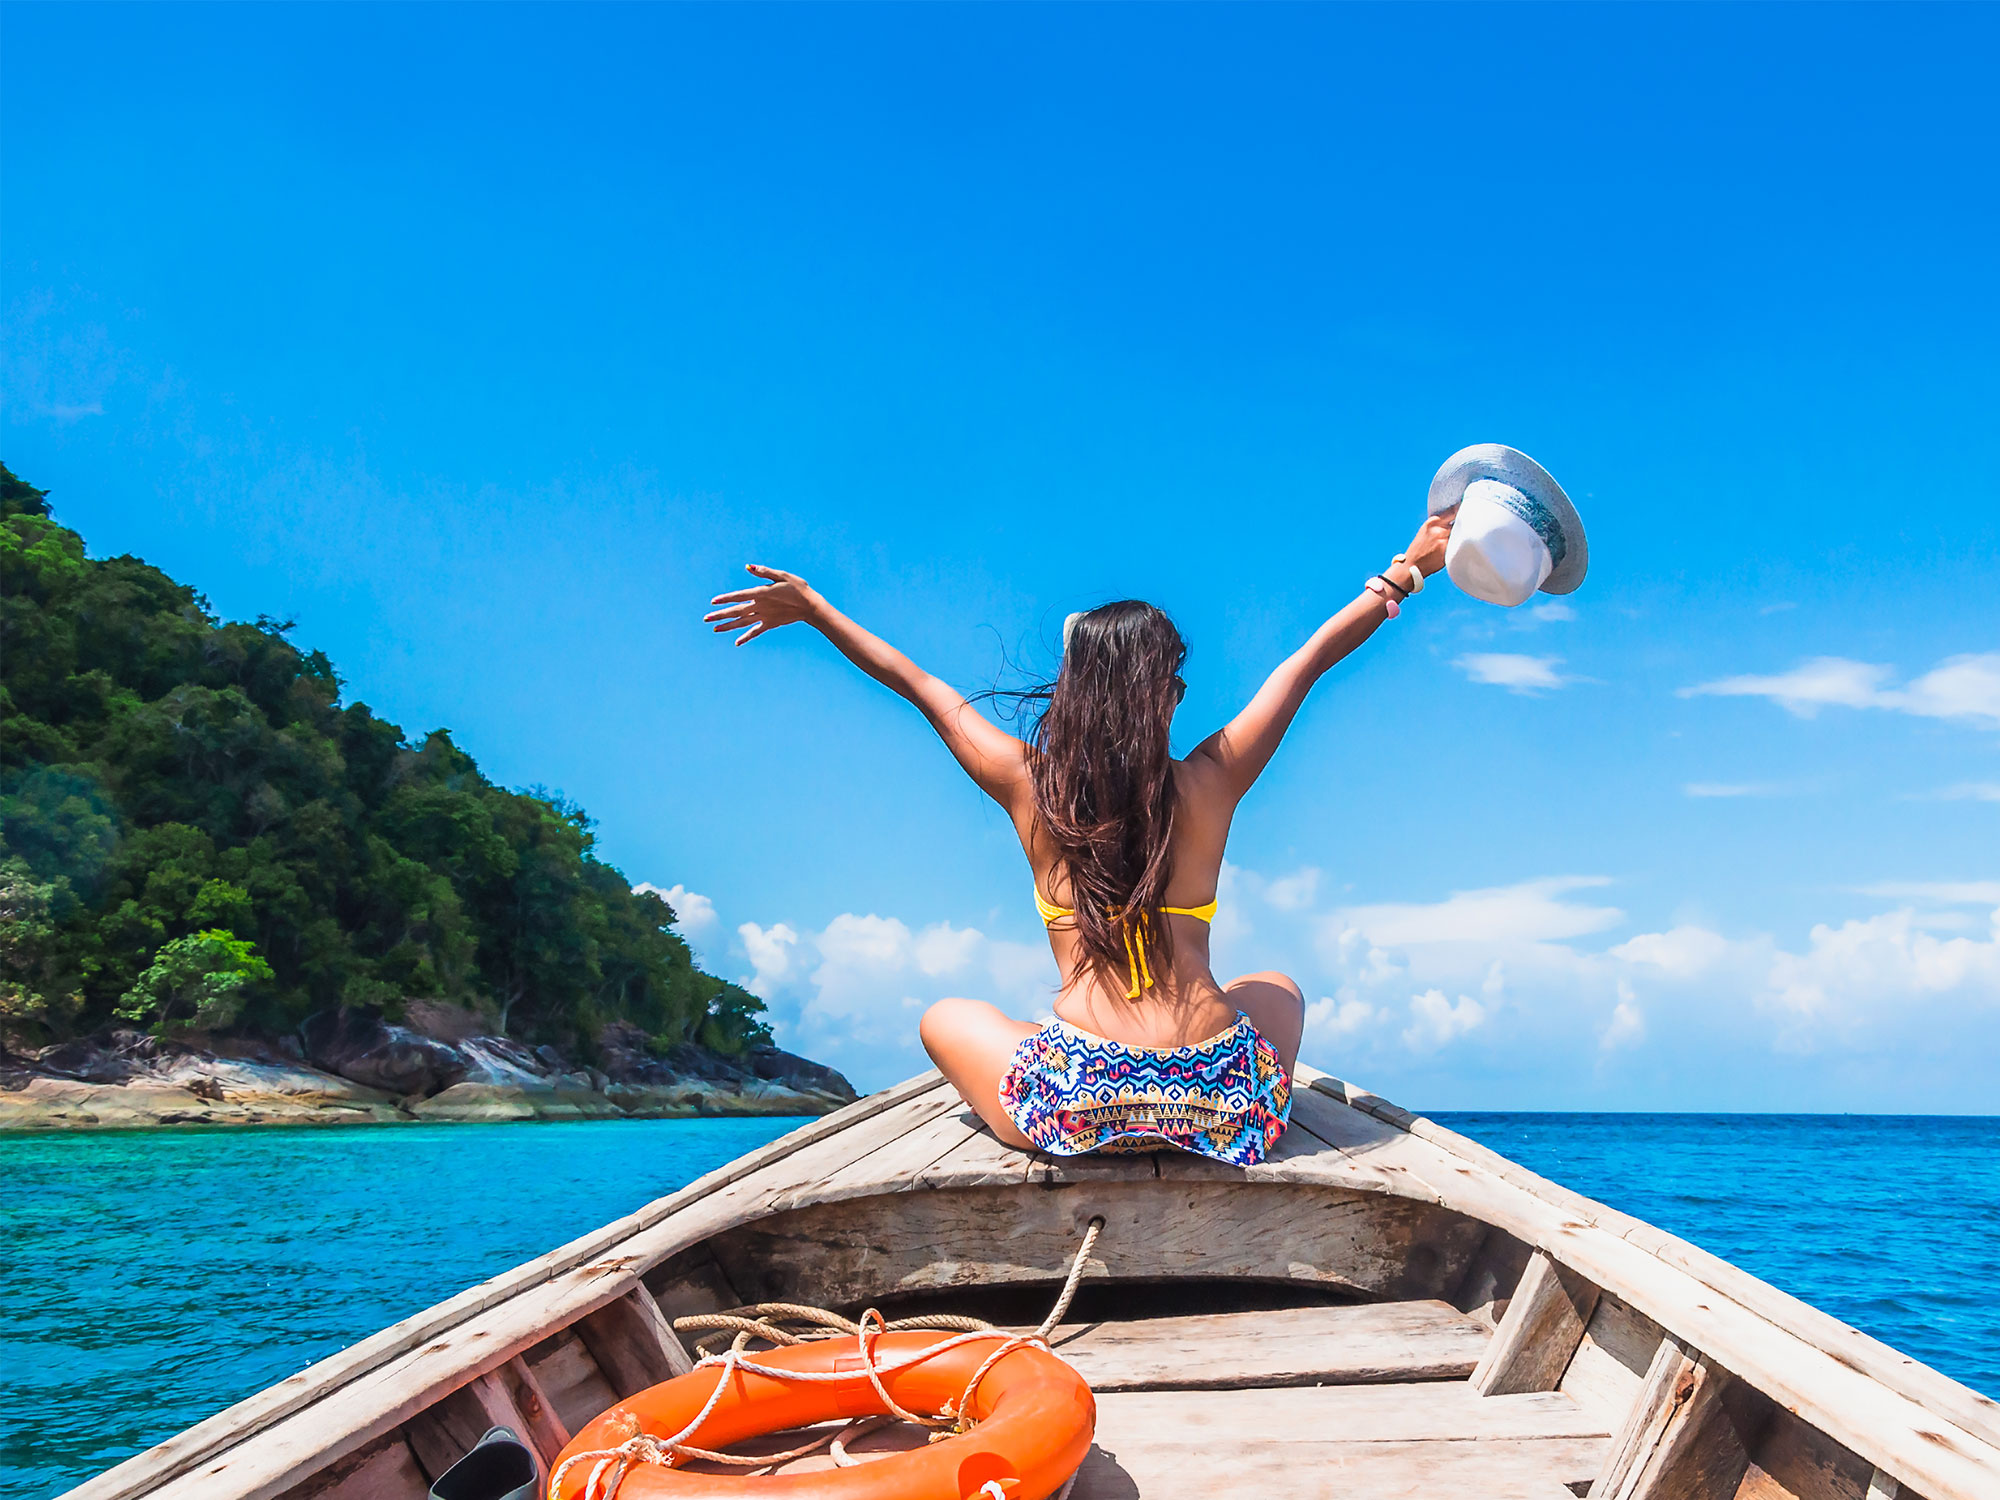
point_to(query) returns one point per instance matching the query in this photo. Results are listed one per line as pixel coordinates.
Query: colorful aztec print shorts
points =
(1072, 1092)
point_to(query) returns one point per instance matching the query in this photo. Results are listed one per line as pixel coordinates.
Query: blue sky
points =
(487, 343)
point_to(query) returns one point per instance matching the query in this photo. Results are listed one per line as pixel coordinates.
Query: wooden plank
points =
(633, 1344)
(1359, 1344)
(1611, 1362)
(146, 1471)
(981, 1160)
(1793, 1460)
(356, 1412)
(857, 1251)
(385, 1470)
(699, 1288)
(574, 1387)
(1540, 1333)
(1677, 1441)
(1870, 1413)
(1972, 1411)
(1492, 1277)
(1341, 1443)
(449, 1429)
(941, 1122)
(544, 1429)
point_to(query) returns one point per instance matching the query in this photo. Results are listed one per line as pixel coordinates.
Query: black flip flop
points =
(499, 1467)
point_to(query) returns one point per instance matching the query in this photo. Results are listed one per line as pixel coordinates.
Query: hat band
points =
(1537, 515)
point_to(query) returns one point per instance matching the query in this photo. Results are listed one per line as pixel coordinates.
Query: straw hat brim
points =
(1512, 466)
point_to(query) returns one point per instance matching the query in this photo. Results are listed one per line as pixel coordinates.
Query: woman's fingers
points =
(735, 595)
(752, 633)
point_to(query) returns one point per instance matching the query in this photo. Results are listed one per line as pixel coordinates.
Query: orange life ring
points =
(1035, 1421)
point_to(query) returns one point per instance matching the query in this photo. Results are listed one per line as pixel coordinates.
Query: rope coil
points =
(754, 1321)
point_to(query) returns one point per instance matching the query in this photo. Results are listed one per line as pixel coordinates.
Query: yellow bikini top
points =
(1135, 937)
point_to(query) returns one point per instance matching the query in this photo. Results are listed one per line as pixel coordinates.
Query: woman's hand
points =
(784, 599)
(1426, 549)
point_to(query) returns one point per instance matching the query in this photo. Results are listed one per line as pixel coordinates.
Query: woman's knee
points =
(955, 1021)
(1284, 982)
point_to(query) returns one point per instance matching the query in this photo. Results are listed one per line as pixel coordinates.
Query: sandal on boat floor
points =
(499, 1467)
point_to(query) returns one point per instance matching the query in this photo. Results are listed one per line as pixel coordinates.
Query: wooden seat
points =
(1426, 1441)
(1353, 1345)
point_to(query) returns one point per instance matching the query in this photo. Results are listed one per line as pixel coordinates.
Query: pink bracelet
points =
(1380, 590)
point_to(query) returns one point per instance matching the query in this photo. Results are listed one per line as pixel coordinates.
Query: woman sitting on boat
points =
(1126, 844)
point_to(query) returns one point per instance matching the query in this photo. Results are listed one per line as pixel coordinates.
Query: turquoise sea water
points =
(148, 1279)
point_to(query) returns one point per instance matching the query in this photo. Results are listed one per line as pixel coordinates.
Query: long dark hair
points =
(1104, 780)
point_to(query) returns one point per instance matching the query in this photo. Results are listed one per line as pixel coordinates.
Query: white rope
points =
(614, 1463)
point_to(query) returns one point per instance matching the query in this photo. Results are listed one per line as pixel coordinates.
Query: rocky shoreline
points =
(353, 1068)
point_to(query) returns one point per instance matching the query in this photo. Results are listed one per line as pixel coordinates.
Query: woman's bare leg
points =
(972, 1044)
(1276, 1007)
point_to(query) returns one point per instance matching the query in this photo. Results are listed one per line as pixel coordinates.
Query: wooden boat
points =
(1383, 1309)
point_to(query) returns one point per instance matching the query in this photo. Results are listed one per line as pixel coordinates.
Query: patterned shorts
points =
(1072, 1092)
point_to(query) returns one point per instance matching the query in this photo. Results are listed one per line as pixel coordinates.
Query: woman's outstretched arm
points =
(1243, 747)
(991, 757)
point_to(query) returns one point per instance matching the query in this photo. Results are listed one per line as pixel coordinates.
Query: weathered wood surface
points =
(1611, 1362)
(145, 1472)
(859, 1249)
(1934, 1436)
(1540, 1333)
(1795, 1461)
(1973, 1411)
(1367, 1442)
(384, 1470)
(575, 1388)
(555, 1291)
(1901, 1416)
(1366, 1343)
(544, 1429)
(1670, 1445)
(632, 1343)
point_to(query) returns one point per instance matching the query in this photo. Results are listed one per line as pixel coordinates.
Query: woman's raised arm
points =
(994, 759)
(1242, 748)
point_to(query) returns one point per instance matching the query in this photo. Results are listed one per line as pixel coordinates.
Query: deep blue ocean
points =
(148, 1279)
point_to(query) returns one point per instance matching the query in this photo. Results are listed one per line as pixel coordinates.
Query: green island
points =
(229, 897)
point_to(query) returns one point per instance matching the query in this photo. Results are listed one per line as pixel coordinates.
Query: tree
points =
(195, 983)
(166, 776)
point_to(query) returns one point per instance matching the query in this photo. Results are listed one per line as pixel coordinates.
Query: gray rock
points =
(799, 1073)
(358, 1045)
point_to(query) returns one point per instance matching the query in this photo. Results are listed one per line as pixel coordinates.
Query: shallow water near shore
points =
(151, 1278)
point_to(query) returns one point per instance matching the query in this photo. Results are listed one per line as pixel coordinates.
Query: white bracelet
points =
(1416, 574)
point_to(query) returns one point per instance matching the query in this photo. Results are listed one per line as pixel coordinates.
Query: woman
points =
(1126, 845)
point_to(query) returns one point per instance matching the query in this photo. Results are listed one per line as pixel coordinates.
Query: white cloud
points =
(1490, 992)
(770, 953)
(693, 912)
(1552, 611)
(1940, 892)
(1293, 892)
(1964, 687)
(850, 993)
(1516, 673)
(1884, 967)
(1960, 687)
(1329, 1016)
(1531, 912)
(1627, 1027)
(1435, 1021)
(1685, 952)
(1971, 791)
(1735, 789)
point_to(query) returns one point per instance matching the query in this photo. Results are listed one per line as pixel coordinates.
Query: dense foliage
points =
(195, 832)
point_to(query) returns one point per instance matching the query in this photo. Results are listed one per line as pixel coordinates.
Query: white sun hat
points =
(1515, 532)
